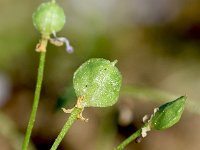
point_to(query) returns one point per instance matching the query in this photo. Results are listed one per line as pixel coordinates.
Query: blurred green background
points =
(156, 43)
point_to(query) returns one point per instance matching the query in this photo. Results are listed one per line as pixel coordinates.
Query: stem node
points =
(41, 46)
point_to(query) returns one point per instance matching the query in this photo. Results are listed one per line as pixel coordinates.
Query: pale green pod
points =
(99, 81)
(168, 114)
(49, 18)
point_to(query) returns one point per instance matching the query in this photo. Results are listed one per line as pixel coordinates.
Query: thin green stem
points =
(156, 95)
(35, 101)
(146, 93)
(72, 118)
(129, 140)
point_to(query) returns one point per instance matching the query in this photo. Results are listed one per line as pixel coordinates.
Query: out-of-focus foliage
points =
(155, 41)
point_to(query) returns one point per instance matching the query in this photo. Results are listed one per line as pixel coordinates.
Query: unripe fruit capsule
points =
(168, 114)
(99, 81)
(49, 18)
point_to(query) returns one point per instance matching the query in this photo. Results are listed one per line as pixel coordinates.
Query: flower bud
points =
(49, 18)
(99, 81)
(168, 114)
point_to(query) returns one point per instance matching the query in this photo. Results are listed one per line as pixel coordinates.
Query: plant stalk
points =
(156, 95)
(72, 118)
(35, 101)
(129, 140)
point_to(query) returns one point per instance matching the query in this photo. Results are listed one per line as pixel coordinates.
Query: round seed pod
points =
(99, 81)
(49, 18)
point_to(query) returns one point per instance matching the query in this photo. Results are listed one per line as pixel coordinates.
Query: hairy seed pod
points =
(49, 18)
(99, 81)
(168, 114)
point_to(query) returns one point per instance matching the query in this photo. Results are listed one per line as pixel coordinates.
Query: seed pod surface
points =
(48, 18)
(99, 81)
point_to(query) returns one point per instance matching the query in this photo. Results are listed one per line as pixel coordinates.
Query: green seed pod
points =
(99, 81)
(49, 18)
(168, 114)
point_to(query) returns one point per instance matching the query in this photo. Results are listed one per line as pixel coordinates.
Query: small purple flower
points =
(59, 41)
(69, 48)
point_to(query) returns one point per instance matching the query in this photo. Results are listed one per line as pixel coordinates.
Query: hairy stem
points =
(72, 118)
(35, 101)
(129, 140)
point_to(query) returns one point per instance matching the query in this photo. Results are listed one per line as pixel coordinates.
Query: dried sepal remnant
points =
(99, 81)
(145, 130)
(41, 46)
(147, 118)
(78, 105)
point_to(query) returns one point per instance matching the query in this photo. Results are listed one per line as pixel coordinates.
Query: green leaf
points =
(99, 81)
(168, 114)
